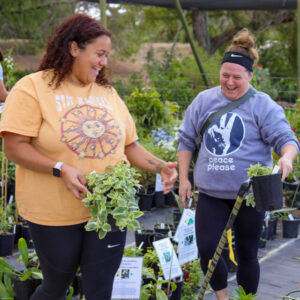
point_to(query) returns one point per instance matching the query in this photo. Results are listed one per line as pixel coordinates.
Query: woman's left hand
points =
(168, 176)
(286, 167)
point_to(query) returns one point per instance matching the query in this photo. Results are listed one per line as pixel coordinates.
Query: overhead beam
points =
(214, 4)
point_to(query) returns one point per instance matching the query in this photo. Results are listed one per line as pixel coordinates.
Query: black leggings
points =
(62, 249)
(211, 217)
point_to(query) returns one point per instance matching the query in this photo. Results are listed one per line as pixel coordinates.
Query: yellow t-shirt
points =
(86, 128)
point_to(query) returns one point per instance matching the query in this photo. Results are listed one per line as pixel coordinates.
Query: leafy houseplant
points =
(240, 294)
(112, 199)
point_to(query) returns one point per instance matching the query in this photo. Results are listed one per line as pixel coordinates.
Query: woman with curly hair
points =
(60, 124)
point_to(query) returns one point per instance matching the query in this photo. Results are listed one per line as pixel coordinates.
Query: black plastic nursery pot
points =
(145, 236)
(24, 289)
(176, 216)
(170, 199)
(267, 191)
(272, 228)
(7, 244)
(290, 190)
(159, 199)
(26, 235)
(176, 295)
(290, 228)
(162, 230)
(145, 201)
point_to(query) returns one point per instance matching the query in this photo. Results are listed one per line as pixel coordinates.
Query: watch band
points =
(57, 169)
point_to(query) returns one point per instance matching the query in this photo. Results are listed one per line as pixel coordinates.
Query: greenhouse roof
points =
(215, 4)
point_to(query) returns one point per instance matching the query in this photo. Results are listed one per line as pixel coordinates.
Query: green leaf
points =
(160, 295)
(23, 249)
(26, 276)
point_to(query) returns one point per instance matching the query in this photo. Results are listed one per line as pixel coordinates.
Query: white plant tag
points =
(141, 245)
(290, 216)
(190, 202)
(162, 225)
(275, 169)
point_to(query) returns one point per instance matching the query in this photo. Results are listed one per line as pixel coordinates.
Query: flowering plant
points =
(9, 69)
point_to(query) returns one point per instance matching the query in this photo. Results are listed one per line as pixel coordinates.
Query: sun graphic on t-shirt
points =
(90, 132)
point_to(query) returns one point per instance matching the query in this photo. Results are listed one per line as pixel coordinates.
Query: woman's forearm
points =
(184, 160)
(139, 157)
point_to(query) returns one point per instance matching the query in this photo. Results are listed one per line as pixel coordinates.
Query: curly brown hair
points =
(80, 28)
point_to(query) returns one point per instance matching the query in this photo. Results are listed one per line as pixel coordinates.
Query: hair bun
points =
(244, 39)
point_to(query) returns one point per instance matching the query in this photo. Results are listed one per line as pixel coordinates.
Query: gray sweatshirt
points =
(239, 138)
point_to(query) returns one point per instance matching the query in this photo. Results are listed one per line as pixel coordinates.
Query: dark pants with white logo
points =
(62, 249)
(212, 215)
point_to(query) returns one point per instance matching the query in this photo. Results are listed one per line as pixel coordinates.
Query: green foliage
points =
(133, 252)
(29, 271)
(5, 224)
(192, 274)
(155, 289)
(6, 288)
(240, 294)
(32, 20)
(113, 194)
(11, 168)
(8, 65)
(147, 110)
(262, 82)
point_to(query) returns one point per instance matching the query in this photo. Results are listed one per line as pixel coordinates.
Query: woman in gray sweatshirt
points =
(243, 136)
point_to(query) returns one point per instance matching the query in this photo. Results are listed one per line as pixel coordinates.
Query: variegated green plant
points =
(112, 193)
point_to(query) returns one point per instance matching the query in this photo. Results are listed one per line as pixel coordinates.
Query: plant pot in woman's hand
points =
(290, 228)
(267, 191)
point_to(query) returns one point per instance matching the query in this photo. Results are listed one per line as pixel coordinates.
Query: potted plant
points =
(290, 224)
(7, 235)
(112, 201)
(145, 236)
(24, 282)
(267, 188)
(291, 186)
(239, 294)
(156, 289)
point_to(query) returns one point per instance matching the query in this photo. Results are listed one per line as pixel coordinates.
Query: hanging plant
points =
(112, 200)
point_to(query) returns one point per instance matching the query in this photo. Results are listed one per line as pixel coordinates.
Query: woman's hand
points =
(74, 180)
(168, 176)
(285, 163)
(185, 192)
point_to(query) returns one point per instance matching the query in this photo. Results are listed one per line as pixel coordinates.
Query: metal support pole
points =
(298, 45)
(103, 12)
(185, 26)
(207, 32)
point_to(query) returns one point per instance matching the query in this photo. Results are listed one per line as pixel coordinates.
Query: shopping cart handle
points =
(244, 187)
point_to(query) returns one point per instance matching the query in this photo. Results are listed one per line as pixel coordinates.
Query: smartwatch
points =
(57, 169)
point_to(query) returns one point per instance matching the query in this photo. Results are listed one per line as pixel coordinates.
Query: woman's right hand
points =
(74, 180)
(185, 191)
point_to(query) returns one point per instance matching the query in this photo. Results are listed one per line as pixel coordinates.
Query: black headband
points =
(240, 59)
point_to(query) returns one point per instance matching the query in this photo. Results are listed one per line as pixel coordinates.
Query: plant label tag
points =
(162, 225)
(275, 169)
(158, 184)
(187, 246)
(290, 216)
(167, 258)
(139, 231)
(128, 279)
(187, 219)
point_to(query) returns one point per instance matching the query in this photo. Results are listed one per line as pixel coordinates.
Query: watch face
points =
(56, 172)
